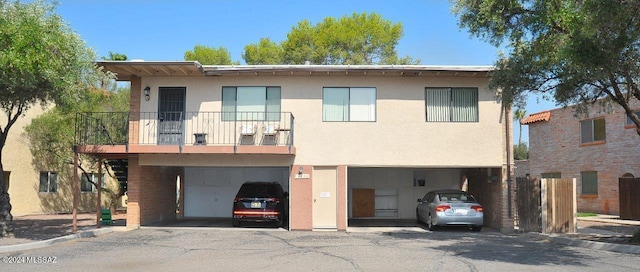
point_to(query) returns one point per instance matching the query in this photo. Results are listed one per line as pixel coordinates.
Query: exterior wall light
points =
(147, 93)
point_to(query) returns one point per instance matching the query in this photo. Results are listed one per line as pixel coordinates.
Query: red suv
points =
(260, 202)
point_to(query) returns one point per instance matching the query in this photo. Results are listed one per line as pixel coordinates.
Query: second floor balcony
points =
(191, 132)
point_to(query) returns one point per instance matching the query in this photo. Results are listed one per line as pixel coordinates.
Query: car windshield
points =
(258, 190)
(456, 197)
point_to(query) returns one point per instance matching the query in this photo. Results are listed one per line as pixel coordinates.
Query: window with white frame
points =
(451, 104)
(344, 104)
(48, 182)
(589, 181)
(251, 103)
(86, 185)
(592, 130)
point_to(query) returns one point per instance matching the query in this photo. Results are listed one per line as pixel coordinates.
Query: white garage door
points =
(209, 192)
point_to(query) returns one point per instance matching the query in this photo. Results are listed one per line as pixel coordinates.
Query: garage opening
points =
(209, 191)
(380, 196)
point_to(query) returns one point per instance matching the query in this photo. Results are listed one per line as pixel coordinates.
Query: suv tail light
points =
(476, 208)
(442, 208)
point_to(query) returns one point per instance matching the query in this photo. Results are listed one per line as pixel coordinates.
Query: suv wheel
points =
(235, 222)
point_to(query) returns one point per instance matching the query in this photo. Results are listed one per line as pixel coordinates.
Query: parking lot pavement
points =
(46, 230)
(198, 249)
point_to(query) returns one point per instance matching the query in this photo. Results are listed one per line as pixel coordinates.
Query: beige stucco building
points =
(37, 191)
(346, 142)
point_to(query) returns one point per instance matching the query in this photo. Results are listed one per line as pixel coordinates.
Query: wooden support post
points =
(75, 190)
(99, 201)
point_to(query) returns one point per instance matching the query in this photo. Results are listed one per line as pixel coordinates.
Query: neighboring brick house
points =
(37, 191)
(346, 142)
(596, 149)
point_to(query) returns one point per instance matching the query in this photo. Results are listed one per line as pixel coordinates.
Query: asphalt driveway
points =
(255, 249)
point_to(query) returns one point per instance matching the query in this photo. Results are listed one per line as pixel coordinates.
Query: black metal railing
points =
(185, 128)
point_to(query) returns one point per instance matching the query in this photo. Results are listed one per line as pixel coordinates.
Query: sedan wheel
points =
(418, 217)
(430, 224)
(476, 228)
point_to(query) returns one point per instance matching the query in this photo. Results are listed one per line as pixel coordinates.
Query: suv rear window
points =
(258, 190)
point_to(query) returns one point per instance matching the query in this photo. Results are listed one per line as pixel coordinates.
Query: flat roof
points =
(125, 70)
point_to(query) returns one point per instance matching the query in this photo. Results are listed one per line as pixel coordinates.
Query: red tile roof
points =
(536, 117)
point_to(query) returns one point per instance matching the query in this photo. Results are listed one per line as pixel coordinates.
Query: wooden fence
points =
(547, 206)
(528, 204)
(629, 196)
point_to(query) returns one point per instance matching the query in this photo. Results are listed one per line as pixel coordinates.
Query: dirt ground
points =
(32, 228)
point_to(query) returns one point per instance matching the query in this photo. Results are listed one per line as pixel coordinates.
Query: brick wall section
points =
(555, 147)
(301, 205)
(488, 194)
(152, 193)
(521, 168)
(342, 197)
(133, 193)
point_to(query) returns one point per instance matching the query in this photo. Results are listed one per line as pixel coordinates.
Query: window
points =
(349, 104)
(451, 104)
(592, 130)
(251, 103)
(629, 122)
(589, 182)
(86, 186)
(48, 182)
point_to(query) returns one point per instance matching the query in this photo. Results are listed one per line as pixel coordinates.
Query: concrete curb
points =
(628, 249)
(610, 220)
(46, 243)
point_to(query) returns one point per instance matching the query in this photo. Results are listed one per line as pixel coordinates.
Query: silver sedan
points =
(449, 208)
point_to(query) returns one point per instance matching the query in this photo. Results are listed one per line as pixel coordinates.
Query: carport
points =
(387, 195)
(209, 191)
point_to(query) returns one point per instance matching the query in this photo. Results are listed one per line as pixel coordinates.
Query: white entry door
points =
(325, 214)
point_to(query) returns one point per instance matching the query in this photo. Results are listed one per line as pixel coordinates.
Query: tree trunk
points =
(520, 135)
(6, 219)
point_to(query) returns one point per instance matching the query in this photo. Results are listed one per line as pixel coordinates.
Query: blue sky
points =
(163, 30)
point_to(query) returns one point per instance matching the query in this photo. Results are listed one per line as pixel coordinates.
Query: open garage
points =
(209, 191)
(388, 195)
(391, 193)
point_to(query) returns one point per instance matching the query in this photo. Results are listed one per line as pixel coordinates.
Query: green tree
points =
(42, 60)
(518, 115)
(357, 39)
(264, 52)
(209, 55)
(521, 151)
(115, 56)
(575, 52)
(51, 136)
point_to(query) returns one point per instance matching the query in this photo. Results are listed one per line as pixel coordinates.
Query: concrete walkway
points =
(602, 232)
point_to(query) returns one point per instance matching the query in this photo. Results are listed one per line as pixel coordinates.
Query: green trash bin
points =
(105, 217)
